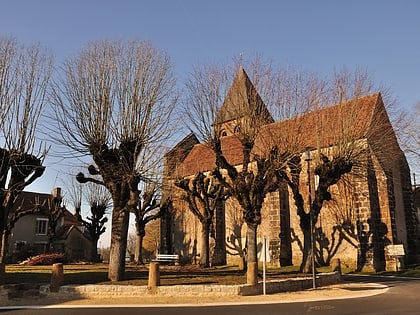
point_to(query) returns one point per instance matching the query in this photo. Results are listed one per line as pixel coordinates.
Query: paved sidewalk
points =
(337, 291)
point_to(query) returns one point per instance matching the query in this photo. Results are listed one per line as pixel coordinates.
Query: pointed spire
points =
(242, 100)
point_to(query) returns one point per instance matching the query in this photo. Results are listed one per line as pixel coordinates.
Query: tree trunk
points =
(306, 266)
(119, 232)
(205, 245)
(138, 249)
(219, 256)
(252, 251)
(4, 245)
(94, 251)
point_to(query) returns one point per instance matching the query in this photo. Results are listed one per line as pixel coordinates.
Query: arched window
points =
(223, 133)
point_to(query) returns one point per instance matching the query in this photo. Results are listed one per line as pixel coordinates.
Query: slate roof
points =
(241, 100)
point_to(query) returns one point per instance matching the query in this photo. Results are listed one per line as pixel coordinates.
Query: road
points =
(403, 297)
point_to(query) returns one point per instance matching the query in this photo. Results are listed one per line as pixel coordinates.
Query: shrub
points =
(46, 259)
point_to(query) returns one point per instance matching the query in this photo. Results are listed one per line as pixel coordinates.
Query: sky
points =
(381, 36)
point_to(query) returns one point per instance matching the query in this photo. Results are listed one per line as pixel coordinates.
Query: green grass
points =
(411, 271)
(74, 274)
(169, 275)
(134, 275)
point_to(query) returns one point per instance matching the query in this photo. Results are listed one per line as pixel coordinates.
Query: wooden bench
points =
(167, 258)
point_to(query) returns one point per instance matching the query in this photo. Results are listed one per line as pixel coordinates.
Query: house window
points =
(41, 226)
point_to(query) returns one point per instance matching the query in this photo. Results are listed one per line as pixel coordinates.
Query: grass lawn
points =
(169, 275)
(134, 275)
(138, 275)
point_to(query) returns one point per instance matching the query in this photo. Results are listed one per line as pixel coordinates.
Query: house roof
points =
(66, 230)
(351, 120)
(70, 225)
(27, 200)
(70, 218)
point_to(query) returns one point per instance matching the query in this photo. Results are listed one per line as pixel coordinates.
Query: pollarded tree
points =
(340, 139)
(153, 203)
(203, 194)
(114, 104)
(55, 212)
(218, 113)
(25, 73)
(296, 94)
(99, 201)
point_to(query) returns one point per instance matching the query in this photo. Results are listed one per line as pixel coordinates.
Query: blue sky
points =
(318, 35)
(382, 36)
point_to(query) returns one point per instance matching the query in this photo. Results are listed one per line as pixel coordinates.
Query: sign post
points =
(395, 251)
(265, 256)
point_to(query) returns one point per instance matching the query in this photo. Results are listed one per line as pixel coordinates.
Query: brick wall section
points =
(382, 196)
(415, 230)
(412, 210)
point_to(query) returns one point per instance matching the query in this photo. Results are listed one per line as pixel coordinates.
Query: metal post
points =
(264, 262)
(308, 160)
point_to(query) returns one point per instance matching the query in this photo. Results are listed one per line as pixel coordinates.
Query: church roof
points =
(347, 121)
(355, 119)
(202, 158)
(242, 100)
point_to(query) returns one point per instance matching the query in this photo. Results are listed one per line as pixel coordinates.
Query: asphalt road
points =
(403, 298)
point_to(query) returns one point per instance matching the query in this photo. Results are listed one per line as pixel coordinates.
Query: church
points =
(370, 211)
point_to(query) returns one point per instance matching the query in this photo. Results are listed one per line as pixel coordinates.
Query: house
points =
(362, 219)
(29, 236)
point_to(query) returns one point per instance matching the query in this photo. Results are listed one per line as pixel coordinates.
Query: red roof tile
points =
(350, 120)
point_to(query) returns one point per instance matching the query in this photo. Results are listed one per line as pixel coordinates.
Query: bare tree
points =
(153, 203)
(409, 135)
(203, 193)
(340, 138)
(55, 212)
(115, 104)
(24, 80)
(99, 201)
(131, 244)
(211, 108)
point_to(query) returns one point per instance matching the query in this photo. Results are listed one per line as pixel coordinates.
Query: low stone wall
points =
(22, 290)
(274, 286)
(16, 291)
(291, 285)
(103, 291)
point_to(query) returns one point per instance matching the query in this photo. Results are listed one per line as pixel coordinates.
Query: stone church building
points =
(371, 207)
